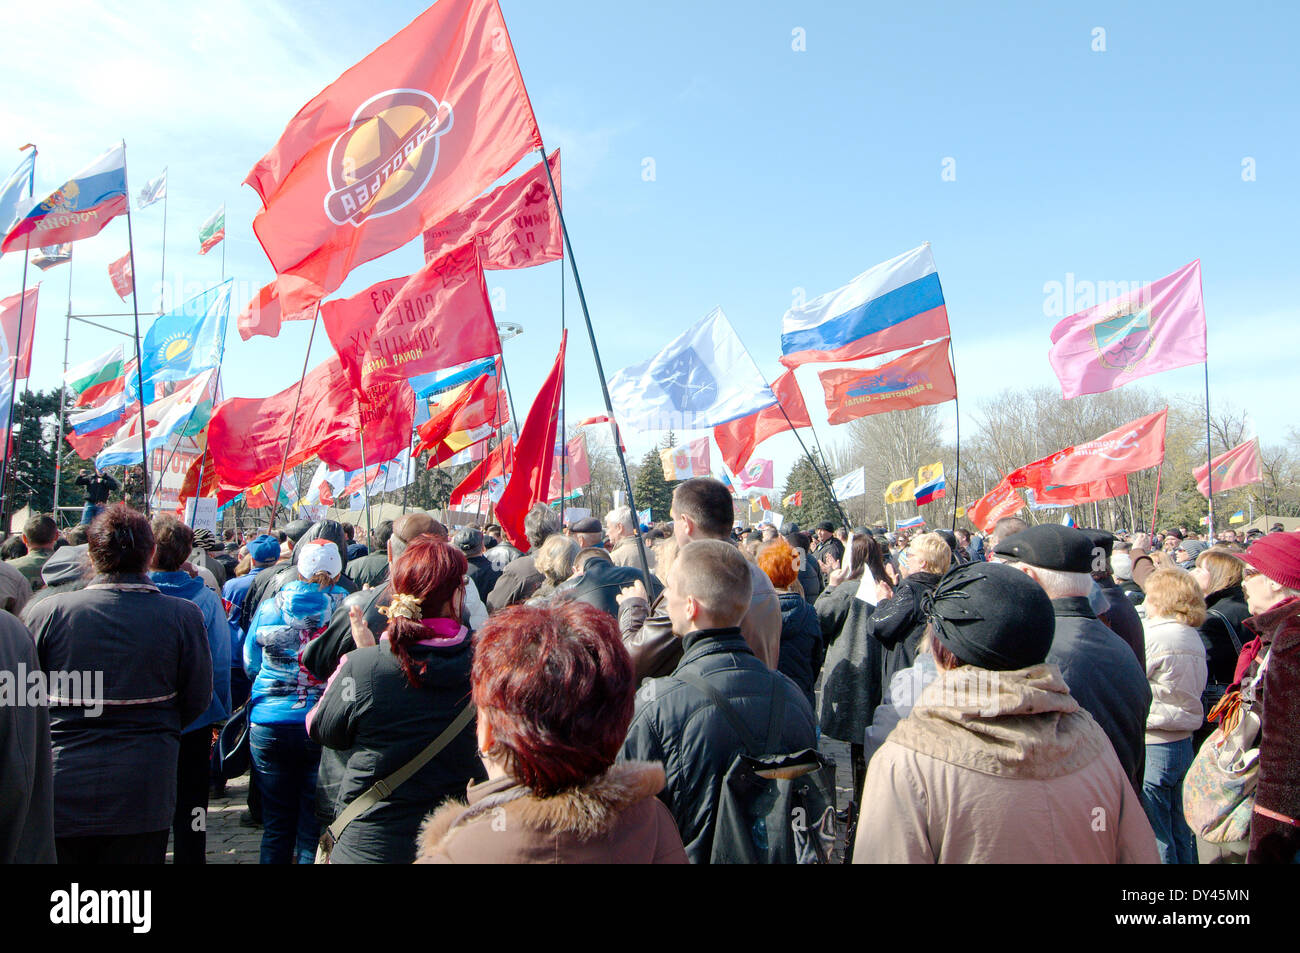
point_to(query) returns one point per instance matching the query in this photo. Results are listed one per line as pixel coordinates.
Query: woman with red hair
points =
(801, 635)
(387, 702)
(554, 688)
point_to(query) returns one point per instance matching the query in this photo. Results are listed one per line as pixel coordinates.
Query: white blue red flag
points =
(12, 188)
(894, 305)
(78, 209)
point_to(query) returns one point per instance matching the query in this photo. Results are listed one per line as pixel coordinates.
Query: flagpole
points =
(139, 362)
(163, 288)
(510, 394)
(18, 350)
(365, 480)
(600, 370)
(564, 386)
(275, 505)
(223, 278)
(956, 476)
(1209, 455)
(63, 397)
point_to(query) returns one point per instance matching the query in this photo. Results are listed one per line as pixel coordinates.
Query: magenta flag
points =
(1155, 328)
(1240, 466)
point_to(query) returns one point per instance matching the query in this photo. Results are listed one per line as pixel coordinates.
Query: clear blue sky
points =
(775, 169)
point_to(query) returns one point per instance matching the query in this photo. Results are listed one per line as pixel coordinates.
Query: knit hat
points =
(205, 540)
(319, 555)
(264, 549)
(1277, 556)
(1193, 548)
(992, 616)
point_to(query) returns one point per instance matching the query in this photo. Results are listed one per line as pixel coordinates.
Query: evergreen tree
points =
(817, 502)
(31, 471)
(652, 491)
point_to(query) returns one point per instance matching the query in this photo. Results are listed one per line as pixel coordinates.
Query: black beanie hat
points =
(992, 616)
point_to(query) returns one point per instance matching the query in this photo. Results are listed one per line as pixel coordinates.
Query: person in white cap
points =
(283, 692)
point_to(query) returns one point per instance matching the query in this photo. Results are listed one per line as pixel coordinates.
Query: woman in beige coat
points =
(997, 763)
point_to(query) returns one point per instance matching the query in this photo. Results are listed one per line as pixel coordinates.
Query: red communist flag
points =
(577, 471)
(247, 436)
(922, 376)
(385, 415)
(477, 405)
(401, 140)
(262, 315)
(498, 462)
(1135, 446)
(1081, 493)
(1240, 466)
(738, 439)
(534, 456)
(119, 272)
(437, 318)
(1002, 500)
(515, 225)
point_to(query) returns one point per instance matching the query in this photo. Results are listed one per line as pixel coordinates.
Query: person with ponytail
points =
(390, 698)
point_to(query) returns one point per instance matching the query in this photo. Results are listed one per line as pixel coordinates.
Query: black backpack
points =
(773, 808)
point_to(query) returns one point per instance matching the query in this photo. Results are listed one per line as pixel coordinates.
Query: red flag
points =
(1002, 500)
(386, 414)
(534, 456)
(402, 139)
(1240, 466)
(499, 462)
(477, 405)
(1136, 445)
(1082, 493)
(577, 471)
(87, 445)
(10, 309)
(919, 377)
(604, 419)
(514, 226)
(738, 439)
(262, 315)
(119, 272)
(439, 317)
(247, 436)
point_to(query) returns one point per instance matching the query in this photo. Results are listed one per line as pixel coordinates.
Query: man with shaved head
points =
(679, 724)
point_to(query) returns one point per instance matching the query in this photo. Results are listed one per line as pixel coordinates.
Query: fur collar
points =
(587, 812)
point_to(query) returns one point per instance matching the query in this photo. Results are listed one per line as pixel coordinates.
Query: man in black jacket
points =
(708, 593)
(98, 486)
(1102, 672)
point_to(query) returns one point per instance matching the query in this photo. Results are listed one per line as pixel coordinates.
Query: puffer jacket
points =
(613, 818)
(283, 689)
(679, 726)
(1176, 672)
(801, 643)
(1000, 767)
(372, 714)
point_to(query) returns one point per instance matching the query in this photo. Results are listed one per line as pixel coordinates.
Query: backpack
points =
(773, 808)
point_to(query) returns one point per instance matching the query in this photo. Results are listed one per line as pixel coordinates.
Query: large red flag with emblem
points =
(1134, 446)
(478, 404)
(922, 376)
(534, 456)
(497, 463)
(1240, 466)
(738, 439)
(516, 225)
(1002, 500)
(402, 139)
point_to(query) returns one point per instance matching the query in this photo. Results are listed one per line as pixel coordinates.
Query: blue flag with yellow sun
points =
(185, 342)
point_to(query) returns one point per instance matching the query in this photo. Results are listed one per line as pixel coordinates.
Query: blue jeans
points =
(1162, 799)
(89, 511)
(286, 761)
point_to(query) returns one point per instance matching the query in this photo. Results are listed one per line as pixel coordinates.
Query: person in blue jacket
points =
(283, 692)
(264, 552)
(174, 540)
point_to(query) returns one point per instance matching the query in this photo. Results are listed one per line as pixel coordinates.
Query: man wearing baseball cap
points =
(1272, 587)
(1103, 673)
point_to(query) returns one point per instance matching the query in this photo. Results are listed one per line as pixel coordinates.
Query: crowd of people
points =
(435, 695)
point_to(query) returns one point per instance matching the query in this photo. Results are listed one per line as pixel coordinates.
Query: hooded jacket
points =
(1000, 767)
(1176, 674)
(67, 570)
(268, 583)
(614, 818)
(184, 586)
(801, 643)
(283, 690)
(372, 715)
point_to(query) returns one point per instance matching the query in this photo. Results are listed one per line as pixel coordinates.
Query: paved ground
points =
(229, 842)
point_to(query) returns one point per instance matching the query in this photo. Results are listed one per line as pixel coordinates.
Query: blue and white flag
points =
(704, 378)
(185, 413)
(183, 343)
(12, 189)
(153, 191)
(853, 483)
(438, 382)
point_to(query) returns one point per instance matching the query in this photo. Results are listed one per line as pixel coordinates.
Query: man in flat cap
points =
(587, 532)
(1103, 673)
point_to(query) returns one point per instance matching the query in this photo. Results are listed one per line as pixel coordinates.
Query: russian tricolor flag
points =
(79, 209)
(895, 305)
(908, 524)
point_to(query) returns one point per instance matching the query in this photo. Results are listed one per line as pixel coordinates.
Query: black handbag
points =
(233, 745)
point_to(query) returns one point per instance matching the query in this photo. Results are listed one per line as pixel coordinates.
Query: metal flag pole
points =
(293, 421)
(223, 253)
(956, 475)
(365, 479)
(600, 370)
(162, 288)
(63, 398)
(564, 387)
(1209, 457)
(18, 349)
(139, 362)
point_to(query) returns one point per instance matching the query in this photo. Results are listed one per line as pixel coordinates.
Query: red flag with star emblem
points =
(404, 138)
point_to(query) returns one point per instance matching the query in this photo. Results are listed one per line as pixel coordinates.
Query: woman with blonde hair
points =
(555, 562)
(1219, 574)
(1176, 672)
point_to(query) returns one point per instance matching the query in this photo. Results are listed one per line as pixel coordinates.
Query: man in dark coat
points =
(520, 578)
(1119, 616)
(827, 546)
(372, 569)
(26, 771)
(1102, 672)
(598, 582)
(481, 571)
(708, 593)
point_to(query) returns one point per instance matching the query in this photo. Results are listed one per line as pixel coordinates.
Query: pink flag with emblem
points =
(1240, 466)
(1150, 329)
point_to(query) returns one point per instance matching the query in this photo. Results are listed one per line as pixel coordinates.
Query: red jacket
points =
(1275, 826)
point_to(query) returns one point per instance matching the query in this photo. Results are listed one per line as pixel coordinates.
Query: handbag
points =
(1219, 788)
(233, 753)
(380, 790)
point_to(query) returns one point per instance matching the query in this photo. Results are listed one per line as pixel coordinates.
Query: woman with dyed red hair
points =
(554, 688)
(801, 634)
(387, 702)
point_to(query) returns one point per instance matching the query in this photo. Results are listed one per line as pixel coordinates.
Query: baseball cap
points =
(319, 555)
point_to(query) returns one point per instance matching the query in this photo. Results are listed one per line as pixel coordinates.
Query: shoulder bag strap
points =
(724, 706)
(380, 790)
(1232, 629)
